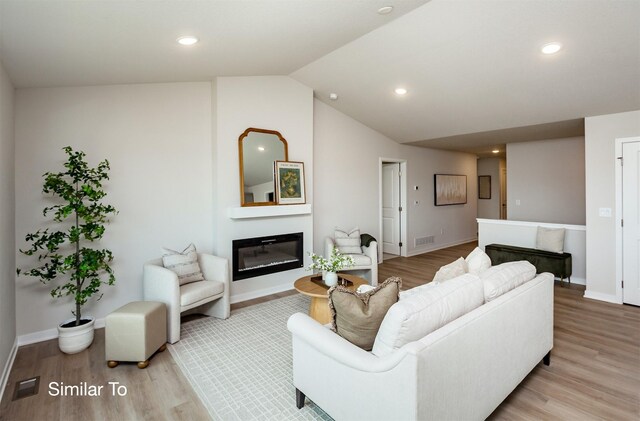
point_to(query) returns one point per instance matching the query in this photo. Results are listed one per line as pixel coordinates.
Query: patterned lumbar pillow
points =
(184, 264)
(357, 316)
(450, 271)
(348, 242)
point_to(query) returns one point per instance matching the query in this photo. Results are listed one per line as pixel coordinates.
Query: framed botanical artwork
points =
(484, 187)
(450, 189)
(290, 183)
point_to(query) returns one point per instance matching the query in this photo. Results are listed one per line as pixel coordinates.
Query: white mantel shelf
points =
(268, 211)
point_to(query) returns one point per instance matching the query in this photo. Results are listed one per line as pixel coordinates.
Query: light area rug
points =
(241, 367)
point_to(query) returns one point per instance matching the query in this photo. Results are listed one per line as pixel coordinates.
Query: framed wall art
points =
(450, 189)
(290, 183)
(484, 187)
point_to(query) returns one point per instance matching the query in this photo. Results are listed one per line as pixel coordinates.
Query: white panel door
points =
(631, 226)
(390, 208)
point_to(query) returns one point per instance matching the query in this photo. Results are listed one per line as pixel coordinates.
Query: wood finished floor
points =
(594, 371)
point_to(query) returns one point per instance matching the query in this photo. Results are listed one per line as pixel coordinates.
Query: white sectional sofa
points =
(461, 371)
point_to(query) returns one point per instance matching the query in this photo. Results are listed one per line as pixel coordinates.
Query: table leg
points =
(319, 310)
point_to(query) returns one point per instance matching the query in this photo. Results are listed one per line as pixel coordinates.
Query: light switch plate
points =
(604, 212)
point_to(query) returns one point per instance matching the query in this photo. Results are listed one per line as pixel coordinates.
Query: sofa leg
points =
(299, 399)
(547, 359)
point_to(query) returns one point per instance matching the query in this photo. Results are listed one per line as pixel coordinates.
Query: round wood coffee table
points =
(319, 306)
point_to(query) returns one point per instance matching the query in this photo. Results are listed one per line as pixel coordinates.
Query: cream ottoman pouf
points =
(134, 332)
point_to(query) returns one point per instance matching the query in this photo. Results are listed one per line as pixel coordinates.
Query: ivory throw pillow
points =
(478, 261)
(550, 239)
(357, 316)
(426, 308)
(184, 264)
(503, 278)
(450, 271)
(348, 242)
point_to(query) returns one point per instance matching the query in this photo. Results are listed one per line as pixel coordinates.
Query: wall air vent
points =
(421, 241)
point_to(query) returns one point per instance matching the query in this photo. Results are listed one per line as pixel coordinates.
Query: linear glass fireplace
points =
(263, 255)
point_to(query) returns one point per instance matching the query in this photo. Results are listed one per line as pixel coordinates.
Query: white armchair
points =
(368, 260)
(210, 297)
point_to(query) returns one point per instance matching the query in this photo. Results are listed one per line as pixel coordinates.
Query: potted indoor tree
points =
(79, 217)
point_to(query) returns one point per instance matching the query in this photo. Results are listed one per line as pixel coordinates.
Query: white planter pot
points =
(331, 279)
(72, 340)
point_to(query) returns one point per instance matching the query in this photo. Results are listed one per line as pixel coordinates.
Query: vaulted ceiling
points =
(473, 68)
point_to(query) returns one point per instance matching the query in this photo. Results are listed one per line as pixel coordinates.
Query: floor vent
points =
(421, 241)
(26, 388)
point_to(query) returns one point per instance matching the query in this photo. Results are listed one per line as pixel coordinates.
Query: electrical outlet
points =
(517, 202)
(604, 212)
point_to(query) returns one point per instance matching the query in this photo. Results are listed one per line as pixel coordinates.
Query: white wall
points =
(600, 162)
(7, 226)
(347, 164)
(490, 208)
(157, 138)
(268, 102)
(548, 178)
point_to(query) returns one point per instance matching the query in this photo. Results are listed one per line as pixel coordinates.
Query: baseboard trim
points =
(7, 367)
(48, 334)
(609, 298)
(442, 246)
(259, 293)
(579, 281)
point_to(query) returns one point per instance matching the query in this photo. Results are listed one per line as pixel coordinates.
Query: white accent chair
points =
(210, 297)
(368, 260)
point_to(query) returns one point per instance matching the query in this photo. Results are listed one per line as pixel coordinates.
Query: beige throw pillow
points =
(478, 261)
(347, 242)
(550, 239)
(450, 271)
(184, 264)
(357, 317)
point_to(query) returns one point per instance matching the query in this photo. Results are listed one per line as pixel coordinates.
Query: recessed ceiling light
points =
(496, 151)
(187, 40)
(385, 10)
(551, 48)
(400, 91)
(261, 148)
(333, 96)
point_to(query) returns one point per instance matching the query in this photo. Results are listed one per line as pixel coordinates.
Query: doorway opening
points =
(392, 209)
(492, 188)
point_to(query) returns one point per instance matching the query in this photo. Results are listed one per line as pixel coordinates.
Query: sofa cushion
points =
(357, 316)
(195, 291)
(550, 239)
(425, 309)
(450, 271)
(348, 242)
(477, 261)
(184, 264)
(360, 259)
(503, 278)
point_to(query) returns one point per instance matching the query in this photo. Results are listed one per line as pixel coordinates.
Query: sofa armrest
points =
(214, 268)
(160, 284)
(337, 348)
(371, 251)
(329, 244)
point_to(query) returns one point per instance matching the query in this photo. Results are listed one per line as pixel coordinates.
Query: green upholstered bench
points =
(545, 261)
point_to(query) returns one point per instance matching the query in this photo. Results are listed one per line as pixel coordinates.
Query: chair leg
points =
(299, 399)
(547, 359)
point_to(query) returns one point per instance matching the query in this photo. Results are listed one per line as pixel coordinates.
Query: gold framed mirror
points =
(258, 150)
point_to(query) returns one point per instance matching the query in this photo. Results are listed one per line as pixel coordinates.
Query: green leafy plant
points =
(61, 252)
(337, 261)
